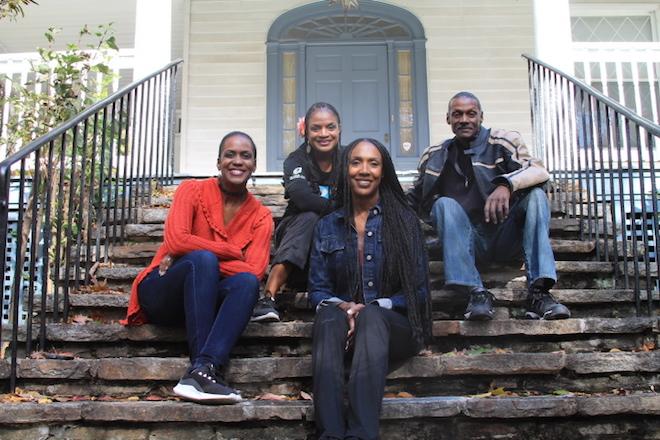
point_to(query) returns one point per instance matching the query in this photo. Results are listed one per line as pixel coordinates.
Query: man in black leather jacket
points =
(481, 191)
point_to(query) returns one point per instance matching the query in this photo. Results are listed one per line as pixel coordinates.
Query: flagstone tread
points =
(298, 329)
(393, 408)
(127, 272)
(244, 370)
(114, 299)
(143, 250)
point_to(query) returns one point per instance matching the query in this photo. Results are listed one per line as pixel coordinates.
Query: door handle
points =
(386, 138)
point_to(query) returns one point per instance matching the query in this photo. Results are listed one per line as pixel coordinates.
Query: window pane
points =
(289, 141)
(404, 62)
(289, 117)
(289, 90)
(406, 116)
(289, 63)
(633, 28)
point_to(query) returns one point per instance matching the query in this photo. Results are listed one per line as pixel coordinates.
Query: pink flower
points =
(301, 126)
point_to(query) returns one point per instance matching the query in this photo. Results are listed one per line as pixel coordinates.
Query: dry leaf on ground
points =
(271, 396)
(3, 349)
(80, 319)
(305, 396)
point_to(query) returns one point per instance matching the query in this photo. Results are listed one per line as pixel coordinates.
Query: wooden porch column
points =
(153, 36)
(552, 33)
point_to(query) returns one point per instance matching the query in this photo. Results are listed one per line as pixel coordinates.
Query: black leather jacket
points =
(499, 157)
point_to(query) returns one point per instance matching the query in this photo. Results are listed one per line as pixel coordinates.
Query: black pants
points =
(381, 336)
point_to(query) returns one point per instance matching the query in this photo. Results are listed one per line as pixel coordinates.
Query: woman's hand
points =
(165, 264)
(352, 311)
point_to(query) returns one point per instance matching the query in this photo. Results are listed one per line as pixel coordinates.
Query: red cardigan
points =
(196, 222)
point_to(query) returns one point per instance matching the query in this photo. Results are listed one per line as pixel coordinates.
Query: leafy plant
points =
(11, 9)
(62, 84)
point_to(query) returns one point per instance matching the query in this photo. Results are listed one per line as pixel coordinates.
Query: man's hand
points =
(496, 209)
(352, 311)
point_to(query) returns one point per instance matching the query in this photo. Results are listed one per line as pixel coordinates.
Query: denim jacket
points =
(327, 267)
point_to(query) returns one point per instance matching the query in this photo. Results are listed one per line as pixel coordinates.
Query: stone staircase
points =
(593, 376)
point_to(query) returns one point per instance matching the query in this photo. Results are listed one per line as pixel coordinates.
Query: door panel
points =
(354, 80)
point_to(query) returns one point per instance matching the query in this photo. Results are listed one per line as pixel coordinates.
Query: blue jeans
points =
(215, 309)
(524, 233)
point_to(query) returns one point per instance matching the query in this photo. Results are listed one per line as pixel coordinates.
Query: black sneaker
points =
(480, 306)
(265, 311)
(541, 305)
(204, 385)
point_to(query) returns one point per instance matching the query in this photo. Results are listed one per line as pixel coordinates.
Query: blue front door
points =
(353, 78)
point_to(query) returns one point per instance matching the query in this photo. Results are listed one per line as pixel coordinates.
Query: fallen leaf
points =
(561, 392)
(133, 399)
(60, 355)
(614, 350)
(498, 391)
(305, 396)
(3, 349)
(404, 395)
(80, 319)
(44, 401)
(271, 396)
(38, 355)
(425, 353)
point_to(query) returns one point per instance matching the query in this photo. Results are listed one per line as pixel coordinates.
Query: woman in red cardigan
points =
(215, 251)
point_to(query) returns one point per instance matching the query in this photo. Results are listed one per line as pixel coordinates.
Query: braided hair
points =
(402, 237)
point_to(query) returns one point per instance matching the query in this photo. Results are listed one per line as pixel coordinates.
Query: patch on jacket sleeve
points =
(297, 174)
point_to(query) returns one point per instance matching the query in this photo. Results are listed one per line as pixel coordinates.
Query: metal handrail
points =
(77, 119)
(602, 159)
(651, 126)
(89, 176)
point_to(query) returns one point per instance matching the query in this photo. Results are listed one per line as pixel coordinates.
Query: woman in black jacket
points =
(310, 179)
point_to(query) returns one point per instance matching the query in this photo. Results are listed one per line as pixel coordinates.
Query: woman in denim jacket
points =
(368, 280)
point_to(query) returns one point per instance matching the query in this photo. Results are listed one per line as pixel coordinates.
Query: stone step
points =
(143, 252)
(453, 373)
(113, 332)
(508, 297)
(494, 273)
(248, 370)
(441, 417)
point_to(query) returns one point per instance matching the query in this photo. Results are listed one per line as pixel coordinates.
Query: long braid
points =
(402, 240)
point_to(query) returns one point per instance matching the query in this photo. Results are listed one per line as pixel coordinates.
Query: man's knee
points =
(536, 197)
(445, 205)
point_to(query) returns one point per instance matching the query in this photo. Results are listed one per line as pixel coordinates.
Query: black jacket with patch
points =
(499, 157)
(301, 181)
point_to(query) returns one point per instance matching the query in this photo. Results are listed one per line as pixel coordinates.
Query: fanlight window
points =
(346, 27)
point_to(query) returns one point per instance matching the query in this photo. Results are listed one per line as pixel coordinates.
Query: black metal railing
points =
(602, 159)
(66, 197)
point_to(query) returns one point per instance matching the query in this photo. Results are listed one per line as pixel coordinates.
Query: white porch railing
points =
(626, 72)
(16, 67)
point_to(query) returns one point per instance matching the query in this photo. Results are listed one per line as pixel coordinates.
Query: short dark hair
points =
(464, 94)
(237, 133)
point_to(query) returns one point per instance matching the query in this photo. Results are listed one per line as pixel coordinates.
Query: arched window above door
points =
(346, 28)
(395, 96)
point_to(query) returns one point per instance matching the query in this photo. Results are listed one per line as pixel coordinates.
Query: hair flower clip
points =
(301, 126)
